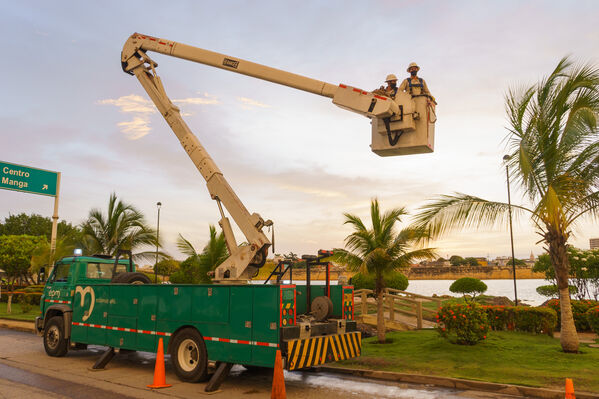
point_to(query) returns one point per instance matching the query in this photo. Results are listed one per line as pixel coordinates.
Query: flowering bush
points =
(579, 309)
(499, 317)
(462, 324)
(534, 320)
(593, 319)
(521, 318)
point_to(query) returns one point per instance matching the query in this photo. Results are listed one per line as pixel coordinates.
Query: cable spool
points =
(322, 308)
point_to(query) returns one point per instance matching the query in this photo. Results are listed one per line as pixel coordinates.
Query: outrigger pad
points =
(222, 371)
(104, 359)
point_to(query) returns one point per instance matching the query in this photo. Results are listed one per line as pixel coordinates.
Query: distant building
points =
(435, 263)
(594, 243)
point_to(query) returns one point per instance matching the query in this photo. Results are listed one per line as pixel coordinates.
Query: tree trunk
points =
(380, 314)
(568, 335)
(380, 317)
(8, 304)
(558, 251)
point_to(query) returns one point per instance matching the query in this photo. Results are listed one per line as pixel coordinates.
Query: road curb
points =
(24, 326)
(457, 383)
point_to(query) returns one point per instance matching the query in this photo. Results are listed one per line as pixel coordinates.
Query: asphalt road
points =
(27, 372)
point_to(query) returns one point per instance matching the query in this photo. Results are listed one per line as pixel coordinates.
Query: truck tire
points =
(131, 278)
(189, 356)
(55, 343)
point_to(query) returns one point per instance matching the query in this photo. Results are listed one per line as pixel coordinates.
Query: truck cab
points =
(56, 302)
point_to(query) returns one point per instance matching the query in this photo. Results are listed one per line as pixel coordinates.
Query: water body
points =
(526, 288)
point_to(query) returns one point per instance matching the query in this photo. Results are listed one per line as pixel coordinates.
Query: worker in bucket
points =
(415, 85)
(391, 89)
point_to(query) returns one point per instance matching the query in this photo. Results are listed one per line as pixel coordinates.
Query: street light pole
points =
(158, 205)
(506, 158)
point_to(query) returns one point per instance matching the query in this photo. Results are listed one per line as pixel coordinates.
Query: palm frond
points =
(461, 211)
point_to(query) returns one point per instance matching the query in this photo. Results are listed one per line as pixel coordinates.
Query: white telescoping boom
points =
(243, 259)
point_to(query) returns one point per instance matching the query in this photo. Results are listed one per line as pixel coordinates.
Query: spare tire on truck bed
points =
(131, 278)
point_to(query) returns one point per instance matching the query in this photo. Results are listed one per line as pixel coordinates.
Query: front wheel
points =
(189, 356)
(55, 343)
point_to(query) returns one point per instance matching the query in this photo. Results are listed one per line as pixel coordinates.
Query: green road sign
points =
(26, 179)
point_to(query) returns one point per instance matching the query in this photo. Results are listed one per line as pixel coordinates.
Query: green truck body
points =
(241, 324)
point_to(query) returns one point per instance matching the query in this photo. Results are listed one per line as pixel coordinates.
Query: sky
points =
(291, 156)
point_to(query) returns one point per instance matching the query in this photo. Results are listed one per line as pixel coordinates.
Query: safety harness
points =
(410, 84)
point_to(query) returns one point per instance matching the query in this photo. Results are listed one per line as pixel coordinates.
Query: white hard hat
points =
(413, 64)
(390, 77)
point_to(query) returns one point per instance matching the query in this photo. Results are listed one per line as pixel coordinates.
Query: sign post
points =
(34, 181)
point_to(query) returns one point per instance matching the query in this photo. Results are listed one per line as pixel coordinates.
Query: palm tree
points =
(214, 253)
(379, 250)
(122, 227)
(41, 255)
(554, 157)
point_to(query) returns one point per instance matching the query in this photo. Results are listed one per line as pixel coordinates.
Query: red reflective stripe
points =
(152, 39)
(357, 90)
(239, 341)
(262, 344)
(161, 42)
(380, 97)
(342, 86)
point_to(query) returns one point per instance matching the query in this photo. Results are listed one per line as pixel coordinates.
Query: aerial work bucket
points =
(410, 132)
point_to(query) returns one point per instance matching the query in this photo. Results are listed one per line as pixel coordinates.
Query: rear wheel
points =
(131, 278)
(189, 356)
(55, 343)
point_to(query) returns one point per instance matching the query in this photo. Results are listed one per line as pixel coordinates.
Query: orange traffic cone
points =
(570, 389)
(159, 377)
(278, 380)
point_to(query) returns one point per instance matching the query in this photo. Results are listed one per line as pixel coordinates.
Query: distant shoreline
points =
(437, 273)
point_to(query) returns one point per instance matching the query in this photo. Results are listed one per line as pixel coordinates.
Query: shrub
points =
(499, 317)
(534, 320)
(395, 280)
(593, 319)
(522, 318)
(462, 324)
(25, 302)
(468, 285)
(579, 309)
(551, 291)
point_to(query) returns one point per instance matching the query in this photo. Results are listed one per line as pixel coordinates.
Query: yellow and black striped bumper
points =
(302, 353)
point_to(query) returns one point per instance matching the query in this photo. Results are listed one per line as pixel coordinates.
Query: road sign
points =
(27, 179)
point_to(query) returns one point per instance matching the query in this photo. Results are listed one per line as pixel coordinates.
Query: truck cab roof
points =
(94, 259)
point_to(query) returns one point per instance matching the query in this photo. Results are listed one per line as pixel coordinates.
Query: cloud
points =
(142, 109)
(207, 99)
(313, 191)
(135, 129)
(131, 103)
(248, 103)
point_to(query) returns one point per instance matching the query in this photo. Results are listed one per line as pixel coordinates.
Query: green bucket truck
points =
(102, 300)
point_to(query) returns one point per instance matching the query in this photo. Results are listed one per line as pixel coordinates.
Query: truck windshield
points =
(103, 270)
(61, 273)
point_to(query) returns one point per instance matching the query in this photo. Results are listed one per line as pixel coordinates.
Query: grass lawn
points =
(504, 357)
(17, 313)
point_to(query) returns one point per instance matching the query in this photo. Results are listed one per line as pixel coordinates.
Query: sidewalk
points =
(25, 326)
(457, 383)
